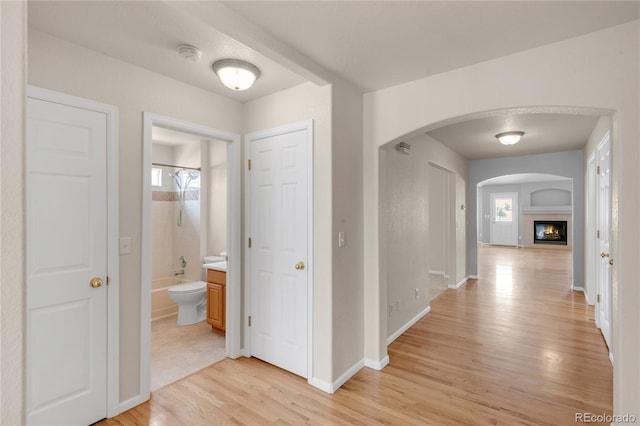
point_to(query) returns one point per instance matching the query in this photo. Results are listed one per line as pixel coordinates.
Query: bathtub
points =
(161, 305)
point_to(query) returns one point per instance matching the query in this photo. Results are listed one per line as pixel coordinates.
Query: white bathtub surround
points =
(161, 304)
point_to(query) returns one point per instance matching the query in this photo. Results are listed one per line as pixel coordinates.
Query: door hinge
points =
(107, 279)
(597, 170)
(249, 164)
(598, 233)
(598, 298)
(249, 320)
(249, 242)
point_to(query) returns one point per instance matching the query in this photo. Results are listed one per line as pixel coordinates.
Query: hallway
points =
(513, 347)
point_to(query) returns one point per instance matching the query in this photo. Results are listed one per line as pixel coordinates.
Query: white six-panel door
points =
(603, 300)
(278, 216)
(66, 264)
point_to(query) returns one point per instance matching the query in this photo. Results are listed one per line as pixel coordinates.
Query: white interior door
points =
(278, 211)
(66, 264)
(603, 299)
(504, 218)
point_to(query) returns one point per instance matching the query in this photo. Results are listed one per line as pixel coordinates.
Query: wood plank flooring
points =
(514, 347)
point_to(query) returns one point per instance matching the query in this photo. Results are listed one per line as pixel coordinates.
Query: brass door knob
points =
(603, 254)
(299, 266)
(95, 282)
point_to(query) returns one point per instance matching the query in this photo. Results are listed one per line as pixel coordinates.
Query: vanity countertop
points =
(216, 266)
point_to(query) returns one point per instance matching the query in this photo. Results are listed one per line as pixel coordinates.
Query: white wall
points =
(13, 24)
(58, 65)
(404, 209)
(347, 211)
(437, 196)
(597, 71)
(304, 102)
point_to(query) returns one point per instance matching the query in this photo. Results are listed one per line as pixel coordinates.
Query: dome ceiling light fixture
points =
(509, 138)
(236, 74)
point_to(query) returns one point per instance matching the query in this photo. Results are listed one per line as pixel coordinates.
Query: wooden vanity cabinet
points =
(216, 299)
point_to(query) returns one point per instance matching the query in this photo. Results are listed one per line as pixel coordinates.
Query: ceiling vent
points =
(404, 148)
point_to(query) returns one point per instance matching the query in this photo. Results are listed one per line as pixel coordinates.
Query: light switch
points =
(342, 239)
(125, 245)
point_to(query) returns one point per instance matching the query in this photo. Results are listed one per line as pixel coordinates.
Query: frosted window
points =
(156, 176)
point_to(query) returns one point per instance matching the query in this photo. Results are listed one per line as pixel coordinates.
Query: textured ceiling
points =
(475, 139)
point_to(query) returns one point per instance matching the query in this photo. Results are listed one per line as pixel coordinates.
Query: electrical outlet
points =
(342, 239)
(417, 293)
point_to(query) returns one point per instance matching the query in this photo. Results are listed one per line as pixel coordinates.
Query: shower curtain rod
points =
(175, 167)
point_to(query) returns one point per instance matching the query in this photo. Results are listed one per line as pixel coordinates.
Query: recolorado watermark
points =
(605, 418)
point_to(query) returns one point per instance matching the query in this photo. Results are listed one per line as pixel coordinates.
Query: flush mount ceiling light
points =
(236, 74)
(509, 138)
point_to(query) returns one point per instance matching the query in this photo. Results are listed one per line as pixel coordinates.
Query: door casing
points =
(233, 291)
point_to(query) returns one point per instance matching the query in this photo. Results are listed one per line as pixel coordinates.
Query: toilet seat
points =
(193, 287)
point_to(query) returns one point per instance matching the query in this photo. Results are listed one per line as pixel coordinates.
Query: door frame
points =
(113, 233)
(288, 128)
(515, 217)
(233, 303)
(591, 194)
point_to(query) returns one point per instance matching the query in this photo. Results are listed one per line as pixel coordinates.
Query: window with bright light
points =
(156, 176)
(503, 211)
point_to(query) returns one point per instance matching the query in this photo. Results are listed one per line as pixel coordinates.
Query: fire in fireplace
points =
(550, 232)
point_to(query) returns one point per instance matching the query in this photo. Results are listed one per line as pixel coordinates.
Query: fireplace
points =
(550, 232)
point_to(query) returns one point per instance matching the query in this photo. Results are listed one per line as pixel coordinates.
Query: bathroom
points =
(189, 228)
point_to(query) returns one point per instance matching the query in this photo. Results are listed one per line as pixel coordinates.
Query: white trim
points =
(408, 325)
(232, 338)
(113, 234)
(332, 387)
(131, 402)
(288, 128)
(586, 298)
(320, 384)
(437, 273)
(611, 357)
(377, 365)
(472, 277)
(460, 283)
(576, 288)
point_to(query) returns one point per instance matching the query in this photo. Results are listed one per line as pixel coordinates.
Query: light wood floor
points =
(514, 347)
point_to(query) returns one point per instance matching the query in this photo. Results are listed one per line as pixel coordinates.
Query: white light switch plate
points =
(342, 239)
(125, 245)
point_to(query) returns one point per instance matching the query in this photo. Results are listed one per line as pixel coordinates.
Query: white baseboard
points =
(437, 272)
(611, 357)
(459, 284)
(132, 402)
(405, 327)
(245, 353)
(332, 387)
(472, 277)
(320, 384)
(375, 364)
(574, 288)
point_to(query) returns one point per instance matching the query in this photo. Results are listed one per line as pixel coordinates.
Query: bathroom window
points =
(156, 176)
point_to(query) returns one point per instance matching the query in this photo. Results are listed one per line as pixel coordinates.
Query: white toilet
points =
(191, 299)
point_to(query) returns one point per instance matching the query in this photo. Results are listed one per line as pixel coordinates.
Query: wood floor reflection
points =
(513, 347)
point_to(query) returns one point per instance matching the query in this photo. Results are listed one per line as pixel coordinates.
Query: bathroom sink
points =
(217, 266)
